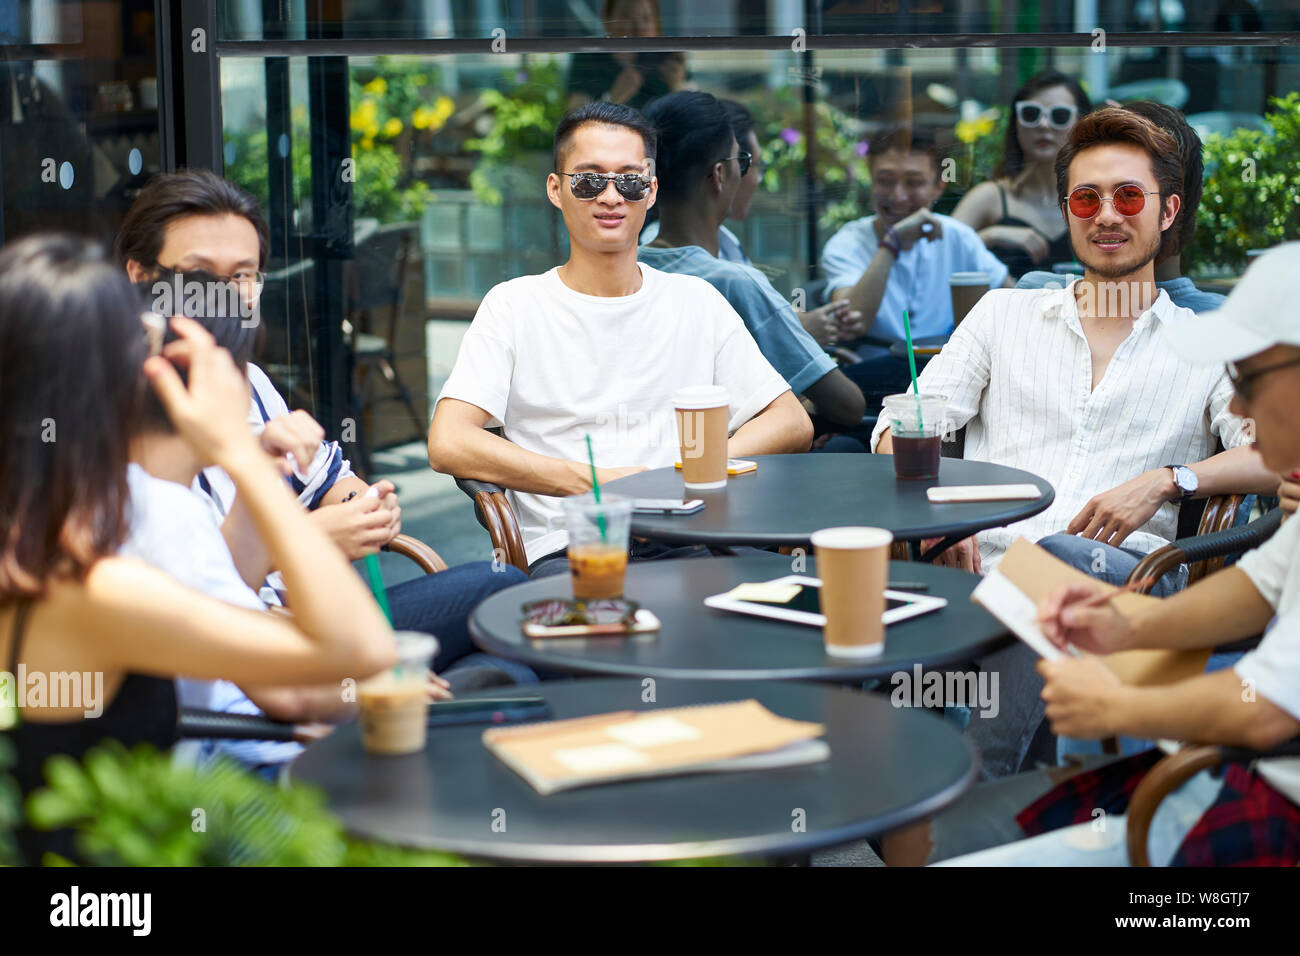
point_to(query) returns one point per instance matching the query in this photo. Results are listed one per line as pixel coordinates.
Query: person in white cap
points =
(1250, 815)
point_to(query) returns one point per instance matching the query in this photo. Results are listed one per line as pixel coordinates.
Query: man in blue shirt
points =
(699, 167)
(900, 258)
(1169, 267)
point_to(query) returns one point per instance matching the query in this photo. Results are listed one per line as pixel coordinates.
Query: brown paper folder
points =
(741, 735)
(1037, 573)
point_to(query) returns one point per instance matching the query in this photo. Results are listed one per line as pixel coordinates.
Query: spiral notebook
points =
(624, 745)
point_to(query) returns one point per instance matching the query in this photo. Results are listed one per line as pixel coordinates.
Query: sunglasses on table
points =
(1244, 382)
(587, 186)
(1031, 114)
(559, 612)
(1128, 200)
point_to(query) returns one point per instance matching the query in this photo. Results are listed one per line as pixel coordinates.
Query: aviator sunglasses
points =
(1033, 114)
(1129, 200)
(588, 186)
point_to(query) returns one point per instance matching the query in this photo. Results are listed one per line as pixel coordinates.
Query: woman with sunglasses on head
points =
(1018, 213)
(72, 349)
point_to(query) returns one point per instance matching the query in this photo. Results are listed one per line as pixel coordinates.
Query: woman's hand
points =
(210, 409)
(362, 526)
(626, 85)
(296, 434)
(1023, 237)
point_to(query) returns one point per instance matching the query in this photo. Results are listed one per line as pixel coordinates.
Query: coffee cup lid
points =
(969, 278)
(701, 396)
(851, 538)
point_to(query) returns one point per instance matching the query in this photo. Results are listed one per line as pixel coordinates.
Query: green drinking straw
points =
(595, 490)
(911, 363)
(377, 586)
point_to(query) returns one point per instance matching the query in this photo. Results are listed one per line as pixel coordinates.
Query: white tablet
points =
(804, 607)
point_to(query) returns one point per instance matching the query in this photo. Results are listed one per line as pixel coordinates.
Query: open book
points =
(1025, 577)
(741, 735)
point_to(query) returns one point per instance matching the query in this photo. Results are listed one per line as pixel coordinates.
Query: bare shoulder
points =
(979, 207)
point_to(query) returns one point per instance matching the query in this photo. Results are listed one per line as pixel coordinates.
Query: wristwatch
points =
(1185, 481)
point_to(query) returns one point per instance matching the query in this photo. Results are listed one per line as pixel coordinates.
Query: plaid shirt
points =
(1249, 824)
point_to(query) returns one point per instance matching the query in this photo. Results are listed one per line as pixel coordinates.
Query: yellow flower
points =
(423, 118)
(364, 116)
(392, 127)
(367, 143)
(444, 108)
(968, 131)
(377, 86)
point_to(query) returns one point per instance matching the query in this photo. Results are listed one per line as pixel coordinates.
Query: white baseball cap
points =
(1262, 310)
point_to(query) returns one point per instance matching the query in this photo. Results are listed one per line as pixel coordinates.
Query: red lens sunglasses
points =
(1129, 200)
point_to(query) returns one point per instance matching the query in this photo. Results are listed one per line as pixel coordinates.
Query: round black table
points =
(925, 346)
(791, 496)
(701, 642)
(888, 767)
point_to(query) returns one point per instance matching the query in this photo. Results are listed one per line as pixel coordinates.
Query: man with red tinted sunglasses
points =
(1078, 385)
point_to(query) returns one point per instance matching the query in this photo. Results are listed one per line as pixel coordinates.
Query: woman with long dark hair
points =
(72, 352)
(1018, 214)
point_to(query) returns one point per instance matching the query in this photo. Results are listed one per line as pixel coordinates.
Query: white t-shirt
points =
(1274, 666)
(553, 365)
(172, 529)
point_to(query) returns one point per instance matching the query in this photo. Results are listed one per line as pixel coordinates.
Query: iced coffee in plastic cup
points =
(598, 537)
(916, 427)
(853, 564)
(703, 412)
(394, 704)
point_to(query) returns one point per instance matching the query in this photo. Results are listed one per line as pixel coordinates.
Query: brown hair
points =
(71, 347)
(1116, 125)
(186, 192)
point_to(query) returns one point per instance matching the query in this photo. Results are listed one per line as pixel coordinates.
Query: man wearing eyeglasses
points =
(596, 347)
(1079, 386)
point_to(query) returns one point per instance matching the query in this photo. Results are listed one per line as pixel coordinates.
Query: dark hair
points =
(186, 192)
(1189, 148)
(608, 11)
(1112, 124)
(603, 113)
(906, 139)
(231, 334)
(694, 133)
(71, 347)
(1013, 157)
(742, 120)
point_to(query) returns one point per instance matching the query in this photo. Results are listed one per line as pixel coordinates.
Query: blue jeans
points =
(1101, 842)
(1004, 740)
(440, 604)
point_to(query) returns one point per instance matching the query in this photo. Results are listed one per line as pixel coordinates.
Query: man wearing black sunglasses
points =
(596, 347)
(700, 169)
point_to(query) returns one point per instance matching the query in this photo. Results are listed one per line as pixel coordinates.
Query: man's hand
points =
(439, 689)
(964, 555)
(1289, 493)
(921, 224)
(1113, 515)
(1065, 621)
(827, 323)
(1079, 693)
(296, 434)
(363, 525)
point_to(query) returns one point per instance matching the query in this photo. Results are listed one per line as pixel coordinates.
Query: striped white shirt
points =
(1017, 373)
(310, 484)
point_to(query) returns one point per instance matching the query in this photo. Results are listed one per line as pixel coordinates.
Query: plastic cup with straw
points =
(911, 364)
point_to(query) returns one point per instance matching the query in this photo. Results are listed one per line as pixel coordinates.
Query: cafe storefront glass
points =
(401, 149)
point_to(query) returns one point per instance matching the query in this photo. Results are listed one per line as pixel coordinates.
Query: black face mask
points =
(170, 293)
